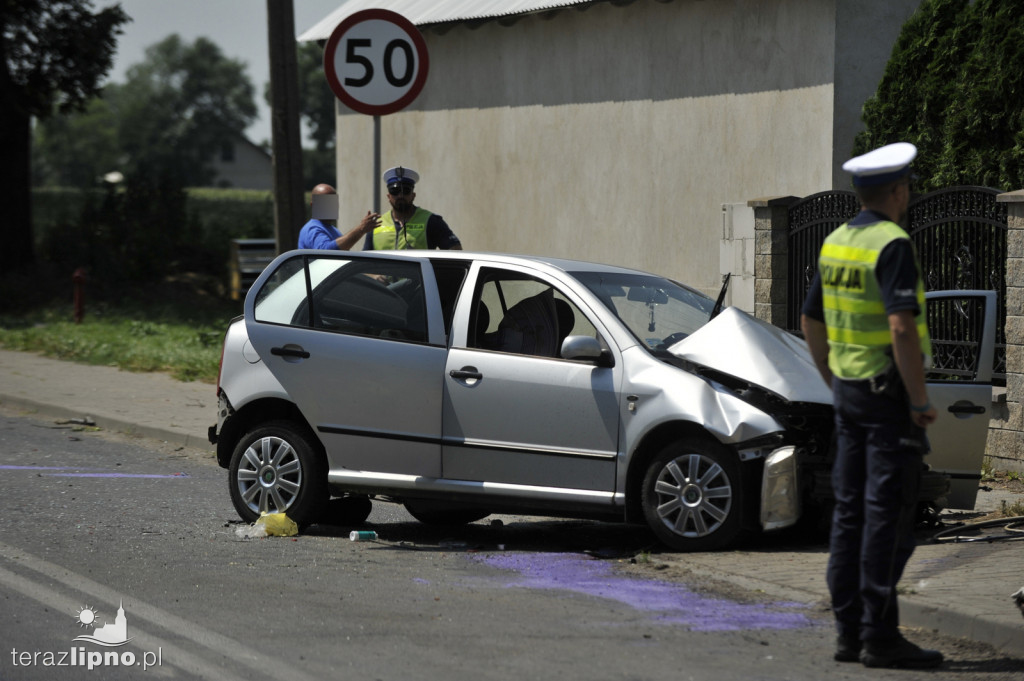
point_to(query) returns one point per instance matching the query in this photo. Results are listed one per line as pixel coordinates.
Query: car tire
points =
(442, 514)
(277, 468)
(351, 509)
(692, 495)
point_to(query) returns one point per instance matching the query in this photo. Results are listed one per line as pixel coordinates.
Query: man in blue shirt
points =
(321, 233)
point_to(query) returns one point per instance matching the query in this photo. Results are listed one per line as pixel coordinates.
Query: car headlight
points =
(780, 494)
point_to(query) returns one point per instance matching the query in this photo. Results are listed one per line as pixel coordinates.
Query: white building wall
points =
(614, 134)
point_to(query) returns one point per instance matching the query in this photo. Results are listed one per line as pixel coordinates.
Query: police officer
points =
(865, 326)
(406, 225)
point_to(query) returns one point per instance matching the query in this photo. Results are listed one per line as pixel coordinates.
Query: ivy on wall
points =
(954, 86)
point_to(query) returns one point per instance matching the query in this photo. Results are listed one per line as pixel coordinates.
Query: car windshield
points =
(658, 311)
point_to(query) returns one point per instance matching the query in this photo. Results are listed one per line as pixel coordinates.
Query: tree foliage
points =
(954, 86)
(161, 129)
(53, 56)
(317, 110)
(316, 99)
(55, 52)
(174, 112)
(75, 150)
(179, 106)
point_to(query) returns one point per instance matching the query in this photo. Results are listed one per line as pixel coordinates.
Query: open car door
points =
(962, 326)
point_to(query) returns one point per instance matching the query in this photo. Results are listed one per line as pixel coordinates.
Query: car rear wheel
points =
(440, 513)
(691, 496)
(277, 469)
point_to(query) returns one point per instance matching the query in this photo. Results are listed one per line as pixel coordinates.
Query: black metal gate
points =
(960, 236)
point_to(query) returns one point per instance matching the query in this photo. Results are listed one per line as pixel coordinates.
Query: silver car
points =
(463, 384)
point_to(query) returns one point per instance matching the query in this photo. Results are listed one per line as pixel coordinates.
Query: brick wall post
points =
(771, 257)
(1006, 434)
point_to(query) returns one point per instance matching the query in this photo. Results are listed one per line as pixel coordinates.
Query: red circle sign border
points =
(421, 52)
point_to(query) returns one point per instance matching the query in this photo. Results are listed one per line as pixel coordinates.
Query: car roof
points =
(563, 264)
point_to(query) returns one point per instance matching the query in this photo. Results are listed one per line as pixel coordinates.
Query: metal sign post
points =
(376, 63)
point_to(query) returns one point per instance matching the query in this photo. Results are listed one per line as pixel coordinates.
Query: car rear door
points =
(962, 326)
(357, 341)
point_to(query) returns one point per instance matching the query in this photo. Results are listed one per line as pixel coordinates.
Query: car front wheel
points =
(277, 469)
(691, 496)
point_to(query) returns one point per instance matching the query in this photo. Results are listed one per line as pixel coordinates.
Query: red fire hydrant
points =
(79, 279)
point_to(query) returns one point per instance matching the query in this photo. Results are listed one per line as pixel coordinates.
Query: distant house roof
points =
(427, 12)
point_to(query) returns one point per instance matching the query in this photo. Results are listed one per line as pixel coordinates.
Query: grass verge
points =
(171, 328)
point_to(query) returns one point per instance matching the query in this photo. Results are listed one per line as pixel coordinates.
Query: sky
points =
(238, 27)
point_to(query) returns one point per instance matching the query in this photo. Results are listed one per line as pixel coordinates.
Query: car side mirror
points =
(587, 349)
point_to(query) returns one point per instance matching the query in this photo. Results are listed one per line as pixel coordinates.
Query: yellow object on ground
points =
(278, 525)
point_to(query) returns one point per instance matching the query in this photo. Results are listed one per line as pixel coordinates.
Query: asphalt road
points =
(95, 520)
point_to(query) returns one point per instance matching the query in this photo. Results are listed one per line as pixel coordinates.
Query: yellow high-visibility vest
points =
(414, 234)
(858, 327)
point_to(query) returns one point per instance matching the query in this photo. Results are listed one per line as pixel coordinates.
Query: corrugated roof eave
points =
(425, 13)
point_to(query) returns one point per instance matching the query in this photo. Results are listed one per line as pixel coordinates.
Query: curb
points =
(190, 440)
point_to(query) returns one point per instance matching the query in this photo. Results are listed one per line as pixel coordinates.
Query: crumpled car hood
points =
(740, 345)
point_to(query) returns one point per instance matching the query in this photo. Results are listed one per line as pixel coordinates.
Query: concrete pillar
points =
(1006, 434)
(771, 257)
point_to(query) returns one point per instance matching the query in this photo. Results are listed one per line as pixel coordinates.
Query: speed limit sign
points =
(376, 62)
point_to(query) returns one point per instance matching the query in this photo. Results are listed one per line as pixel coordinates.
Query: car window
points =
(658, 312)
(376, 297)
(956, 327)
(515, 313)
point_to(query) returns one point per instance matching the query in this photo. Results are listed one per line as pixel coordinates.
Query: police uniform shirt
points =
(896, 272)
(439, 235)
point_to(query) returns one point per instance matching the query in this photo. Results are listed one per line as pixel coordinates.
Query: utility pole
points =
(289, 207)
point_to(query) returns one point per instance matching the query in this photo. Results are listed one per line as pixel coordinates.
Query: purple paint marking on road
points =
(88, 475)
(46, 468)
(420, 580)
(673, 603)
(117, 475)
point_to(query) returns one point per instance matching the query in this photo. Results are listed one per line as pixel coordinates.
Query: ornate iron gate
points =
(960, 236)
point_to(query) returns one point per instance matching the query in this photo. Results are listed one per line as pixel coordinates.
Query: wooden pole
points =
(289, 205)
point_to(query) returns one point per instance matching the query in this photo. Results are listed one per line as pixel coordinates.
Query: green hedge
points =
(954, 86)
(149, 236)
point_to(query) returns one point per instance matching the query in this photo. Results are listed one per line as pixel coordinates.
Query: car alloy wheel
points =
(691, 496)
(275, 469)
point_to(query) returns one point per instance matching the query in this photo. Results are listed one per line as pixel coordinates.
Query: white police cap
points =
(400, 175)
(881, 166)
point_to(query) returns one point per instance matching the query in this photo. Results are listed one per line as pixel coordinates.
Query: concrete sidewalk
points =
(148, 404)
(959, 589)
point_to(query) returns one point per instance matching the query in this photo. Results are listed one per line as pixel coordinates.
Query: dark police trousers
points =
(876, 479)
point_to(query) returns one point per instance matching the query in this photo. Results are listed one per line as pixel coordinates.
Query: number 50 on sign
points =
(376, 62)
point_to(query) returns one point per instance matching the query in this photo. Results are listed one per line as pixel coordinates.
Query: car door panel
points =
(529, 421)
(374, 401)
(963, 396)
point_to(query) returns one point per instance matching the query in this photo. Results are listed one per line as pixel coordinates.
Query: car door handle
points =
(289, 352)
(466, 373)
(966, 409)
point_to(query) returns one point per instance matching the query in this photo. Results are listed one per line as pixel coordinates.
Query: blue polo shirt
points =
(319, 235)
